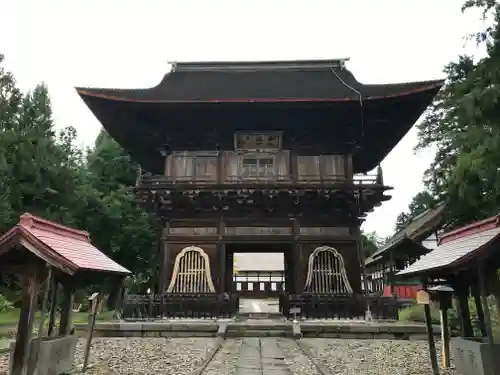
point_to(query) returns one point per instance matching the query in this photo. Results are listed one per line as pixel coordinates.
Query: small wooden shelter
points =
(468, 259)
(401, 250)
(46, 256)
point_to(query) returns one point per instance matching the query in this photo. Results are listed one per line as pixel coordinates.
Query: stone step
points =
(259, 333)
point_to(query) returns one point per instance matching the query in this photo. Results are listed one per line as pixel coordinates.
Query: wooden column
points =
(165, 271)
(220, 167)
(479, 308)
(25, 326)
(53, 306)
(487, 318)
(462, 303)
(294, 172)
(221, 257)
(296, 261)
(66, 308)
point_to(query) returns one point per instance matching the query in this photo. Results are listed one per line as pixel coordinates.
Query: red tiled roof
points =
(457, 246)
(65, 248)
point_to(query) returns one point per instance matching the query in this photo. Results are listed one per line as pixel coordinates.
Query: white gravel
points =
(375, 357)
(180, 356)
(145, 356)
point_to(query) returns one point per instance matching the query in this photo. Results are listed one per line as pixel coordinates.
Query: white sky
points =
(125, 43)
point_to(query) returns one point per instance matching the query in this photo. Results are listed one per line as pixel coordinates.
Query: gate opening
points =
(259, 280)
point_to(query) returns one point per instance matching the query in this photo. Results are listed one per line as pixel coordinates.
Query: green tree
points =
(419, 204)
(118, 225)
(463, 124)
(371, 243)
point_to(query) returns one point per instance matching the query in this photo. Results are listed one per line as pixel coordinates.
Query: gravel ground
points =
(155, 356)
(375, 357)
(145, 356)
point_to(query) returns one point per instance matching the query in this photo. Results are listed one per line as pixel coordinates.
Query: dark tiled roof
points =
(316, 102)
(458, 249)
(65, 248)
(416, 231)
(323, 80)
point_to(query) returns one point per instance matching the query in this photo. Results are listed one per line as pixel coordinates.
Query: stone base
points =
(264, 328)
(55, 356)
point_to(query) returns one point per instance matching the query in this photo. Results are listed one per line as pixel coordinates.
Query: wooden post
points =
(46, 285)
(66, 308)
(423, 298)
(479, 308)
(445, 338)
(487, 317)
(462, 294)
(221, 257)
(94, 301)
(53, 306)
(25, 325)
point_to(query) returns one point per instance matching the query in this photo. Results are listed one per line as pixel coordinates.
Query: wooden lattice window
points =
(257, 166)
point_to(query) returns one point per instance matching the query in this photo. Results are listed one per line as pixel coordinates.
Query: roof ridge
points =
(469, 229)
(258, 65)
(31, 221)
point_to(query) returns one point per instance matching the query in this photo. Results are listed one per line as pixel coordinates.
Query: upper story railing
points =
(158, 180)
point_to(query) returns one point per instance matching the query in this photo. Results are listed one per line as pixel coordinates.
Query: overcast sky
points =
(127, 44)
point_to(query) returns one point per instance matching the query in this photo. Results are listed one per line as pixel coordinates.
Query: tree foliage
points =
(463, 124)
(43, 172)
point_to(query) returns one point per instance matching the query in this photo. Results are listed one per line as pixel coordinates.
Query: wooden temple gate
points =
(260, 153)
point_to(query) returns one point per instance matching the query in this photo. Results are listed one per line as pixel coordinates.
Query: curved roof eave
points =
(396, 90)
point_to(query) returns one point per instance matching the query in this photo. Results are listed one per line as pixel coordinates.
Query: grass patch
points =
(10, 318)
(416, 313)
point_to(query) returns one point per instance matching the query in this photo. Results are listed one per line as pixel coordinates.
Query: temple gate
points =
(240, 156)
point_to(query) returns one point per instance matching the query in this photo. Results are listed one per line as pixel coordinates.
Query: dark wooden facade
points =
(260, 157)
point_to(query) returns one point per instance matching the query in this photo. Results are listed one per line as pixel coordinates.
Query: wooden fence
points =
(213, 306)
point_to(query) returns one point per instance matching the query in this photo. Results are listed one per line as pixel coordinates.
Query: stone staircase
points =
(259, 325)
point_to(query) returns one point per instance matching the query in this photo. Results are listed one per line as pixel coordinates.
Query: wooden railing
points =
(159, 180)
(215, 306)
(172, 306)
(349, 306)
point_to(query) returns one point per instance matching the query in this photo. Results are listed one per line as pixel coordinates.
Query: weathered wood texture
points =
(203, 166)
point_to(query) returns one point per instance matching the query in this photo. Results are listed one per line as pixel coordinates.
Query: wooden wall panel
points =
(242, 231)
(194, 231)
(325, 231)
(203, 166)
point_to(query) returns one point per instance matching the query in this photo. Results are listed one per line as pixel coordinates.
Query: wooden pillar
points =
(220, 167)
(165, 271)
(487, 317)
(294, 170)
(221, 257)
(445, 337)
(229, 285)
(479, 308)
(53, 306)
(67, 308)
(462, 303)
(430, 338)
(25, 326)
(296, 262)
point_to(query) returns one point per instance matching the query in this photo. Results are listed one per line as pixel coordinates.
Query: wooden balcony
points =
(238, 181)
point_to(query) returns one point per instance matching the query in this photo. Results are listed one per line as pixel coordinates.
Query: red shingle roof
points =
(63, 247)
(457, 246)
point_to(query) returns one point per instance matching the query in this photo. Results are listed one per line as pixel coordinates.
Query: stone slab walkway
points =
(261, 357)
